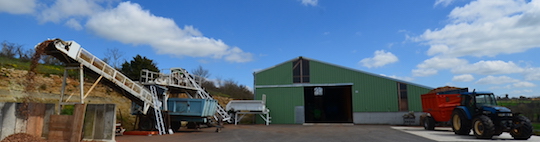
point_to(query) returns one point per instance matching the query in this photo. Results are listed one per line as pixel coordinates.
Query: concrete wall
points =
(99, 122)
(29, 118)
(39, 120)
(391, 118)
(60, 128)
(7, 119)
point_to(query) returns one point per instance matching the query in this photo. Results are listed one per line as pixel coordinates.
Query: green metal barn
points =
(304, 91)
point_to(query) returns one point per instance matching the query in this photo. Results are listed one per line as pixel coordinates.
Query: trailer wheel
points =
(483, 127)
(175, 125)
(523, 130)
(460, 124)
(193, 125)
(146, 123)
(429, 123)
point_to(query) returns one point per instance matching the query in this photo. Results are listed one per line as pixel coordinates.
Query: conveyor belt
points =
(70, 52)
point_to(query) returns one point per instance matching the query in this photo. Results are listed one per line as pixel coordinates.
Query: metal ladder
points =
(181, 78)
(203, 94)
(159, 117)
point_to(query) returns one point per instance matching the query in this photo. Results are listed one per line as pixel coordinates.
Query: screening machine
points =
(243, 107)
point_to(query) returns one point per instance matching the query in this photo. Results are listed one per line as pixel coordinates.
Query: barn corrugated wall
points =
(370, 92)
(281, 102)
(278, 75)
(415, 103)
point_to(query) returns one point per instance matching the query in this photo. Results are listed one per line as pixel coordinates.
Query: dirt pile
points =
(442, 89)
(22, 137)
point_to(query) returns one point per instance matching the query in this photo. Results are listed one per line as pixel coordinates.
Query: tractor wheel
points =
(497, 132)
(460, 124)
(523, 130)
(483, 127)
(429, 123)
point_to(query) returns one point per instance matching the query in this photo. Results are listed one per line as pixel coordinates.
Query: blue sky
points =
(489, 45)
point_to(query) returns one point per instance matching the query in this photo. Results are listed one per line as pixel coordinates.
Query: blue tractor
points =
(479, 111)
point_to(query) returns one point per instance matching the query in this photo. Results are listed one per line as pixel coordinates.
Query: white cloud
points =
(443, 2)
(522, 91)
(532, 74)
(236, 54)
(399, 77)
(310, 2)
(460, 66)
(441, 63)
(72, 23)
(519, 84)
(496, 80)
(486, 28)
(130, 24)
(435, 49)
(424, 72)
(483, 11)
(488, 68)
(523, 84)
(431, 66)
(63, 9)
(463, 78)
(380, 59)
(390, 45)
(18, 6)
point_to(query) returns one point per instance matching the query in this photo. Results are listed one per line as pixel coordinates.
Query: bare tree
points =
(229, 87)
(113, 57)
(106, 60)
(9, 50)
(25, 55)
(200, 74)
(50, 60)
(235, 90)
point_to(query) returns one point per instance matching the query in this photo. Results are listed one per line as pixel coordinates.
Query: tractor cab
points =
(486, 99)
(483, 103)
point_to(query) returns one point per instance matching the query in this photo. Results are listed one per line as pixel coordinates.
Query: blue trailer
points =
(194, 111)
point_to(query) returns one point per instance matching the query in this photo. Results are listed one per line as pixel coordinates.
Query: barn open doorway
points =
(328, 104)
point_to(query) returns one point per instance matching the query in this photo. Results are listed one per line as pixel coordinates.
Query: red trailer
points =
(438, 105)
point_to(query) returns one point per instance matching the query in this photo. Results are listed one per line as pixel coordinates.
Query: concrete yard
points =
(281, 133)
(445, 134)
(315, 133)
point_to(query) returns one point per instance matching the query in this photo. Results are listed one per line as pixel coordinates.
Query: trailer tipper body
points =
(439, 104)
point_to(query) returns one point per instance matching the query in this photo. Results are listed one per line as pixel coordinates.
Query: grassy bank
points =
(25, 65)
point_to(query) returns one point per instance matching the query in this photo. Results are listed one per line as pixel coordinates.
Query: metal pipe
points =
(62, 91)
(81, 82)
